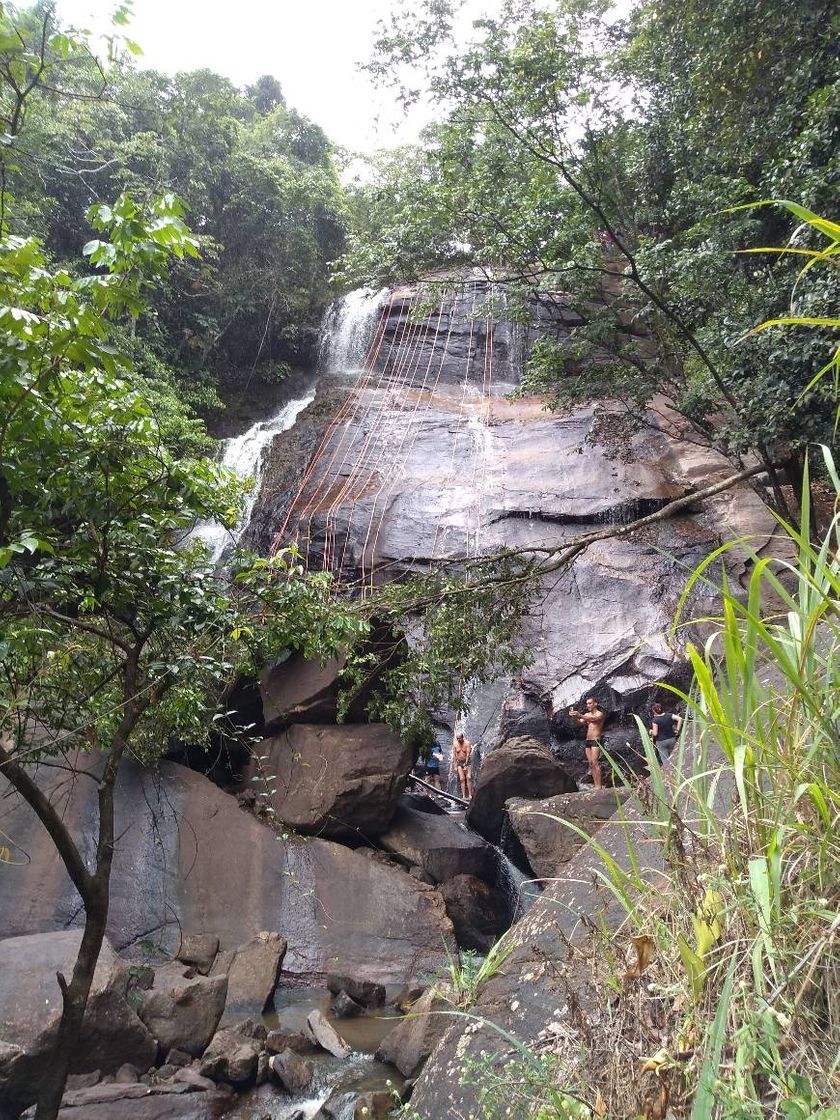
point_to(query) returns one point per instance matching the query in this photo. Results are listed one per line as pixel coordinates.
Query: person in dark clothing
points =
(433, 765)
(665, 727)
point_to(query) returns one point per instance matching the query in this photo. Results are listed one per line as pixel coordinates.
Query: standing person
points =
(433, 765)
(593, 720)
(461, 759)
(665, 727)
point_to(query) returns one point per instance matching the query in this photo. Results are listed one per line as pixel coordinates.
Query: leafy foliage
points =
(257, 178)
(592, 158)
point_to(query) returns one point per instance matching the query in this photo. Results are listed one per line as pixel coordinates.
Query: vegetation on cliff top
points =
(601, 158)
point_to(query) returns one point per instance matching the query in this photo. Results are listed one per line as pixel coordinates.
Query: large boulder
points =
(475, 910)
(182, 1009)
(292, 1072)
(231, 1058)
(189, 858)
(547, 841)
(411, 1041)
(519, 768)
(439, 844)
(252, 973)
(30, 1009)
(198, 950)
(167, 1101)
(300, 690)
(323, 1034)
(335, 781)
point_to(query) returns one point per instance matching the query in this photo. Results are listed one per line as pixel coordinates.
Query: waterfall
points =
(243, 455)
(347, 329)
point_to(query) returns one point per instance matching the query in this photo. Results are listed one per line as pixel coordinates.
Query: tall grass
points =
(729, 1005)
(760, 956)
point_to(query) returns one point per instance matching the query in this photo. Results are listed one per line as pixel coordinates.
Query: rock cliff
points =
(427, 455)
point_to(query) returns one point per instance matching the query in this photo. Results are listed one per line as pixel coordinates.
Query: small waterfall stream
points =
(243, 455)
(347, 330)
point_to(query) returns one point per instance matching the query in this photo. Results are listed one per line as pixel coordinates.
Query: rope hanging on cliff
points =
(322, 484)
(402, 456)
(392, 372)
(415, 426)
(364, 372)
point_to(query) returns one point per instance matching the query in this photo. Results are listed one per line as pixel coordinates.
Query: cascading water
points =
(347, 329)
(243, 455)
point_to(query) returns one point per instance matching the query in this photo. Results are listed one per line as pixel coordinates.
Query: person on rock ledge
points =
(433, 765)
(593, 720)
(461, 759)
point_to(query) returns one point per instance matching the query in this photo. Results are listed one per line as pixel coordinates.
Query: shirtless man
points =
(593, 720)
(461, 759)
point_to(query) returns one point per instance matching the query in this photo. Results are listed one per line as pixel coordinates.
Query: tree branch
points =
(50, 819)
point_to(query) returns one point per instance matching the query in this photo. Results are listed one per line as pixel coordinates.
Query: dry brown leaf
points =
(600, 1108)
(644, 947)
(660, 1107)
(656, 1108)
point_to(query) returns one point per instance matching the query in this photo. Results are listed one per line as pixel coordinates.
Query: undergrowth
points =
(718, 998)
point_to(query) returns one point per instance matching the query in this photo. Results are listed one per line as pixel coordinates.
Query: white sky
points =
(311, 46)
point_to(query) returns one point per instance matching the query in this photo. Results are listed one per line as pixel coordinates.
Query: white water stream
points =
(244, 456)
(348, 329)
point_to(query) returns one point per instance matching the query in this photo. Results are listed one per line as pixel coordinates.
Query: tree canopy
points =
(601, 159)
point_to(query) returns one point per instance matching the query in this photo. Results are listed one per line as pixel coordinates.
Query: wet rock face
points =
(336, 781)
(474, 908)
(519, 768)
(428, 458)
(30, 1009)
(189, 858)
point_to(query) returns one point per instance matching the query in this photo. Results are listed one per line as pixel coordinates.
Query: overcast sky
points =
(311, 46)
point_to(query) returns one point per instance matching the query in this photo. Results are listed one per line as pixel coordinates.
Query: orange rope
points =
(336, 420)
(402, 349)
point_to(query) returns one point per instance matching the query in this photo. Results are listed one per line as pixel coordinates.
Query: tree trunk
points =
(74, 1000)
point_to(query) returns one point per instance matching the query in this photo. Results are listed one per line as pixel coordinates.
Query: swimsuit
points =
(599, 743)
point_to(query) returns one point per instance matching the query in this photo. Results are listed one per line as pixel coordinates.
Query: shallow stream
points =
(355, 1074)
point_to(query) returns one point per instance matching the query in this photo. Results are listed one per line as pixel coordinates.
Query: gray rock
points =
(408, 996)
(336, 781)
(82, 1080)
(178, 1058)
(412, 1040)
(440, 845)
(325, 1036)
(519, 768)
(182, 1009)
(169, 1102)
(374, 1105)
(291, 1071)
(251, 1028)
(299, 690)
(230, 1058)
(193, 1078)
(366, 992)
(190, 858)
(280, 1039)
(345, 1007)
(126, 1075)
(198, 950)
(252, 976)
(548, 843)
(477, 914)
(30, 1009)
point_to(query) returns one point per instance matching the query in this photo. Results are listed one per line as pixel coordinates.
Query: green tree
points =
(561, 131)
